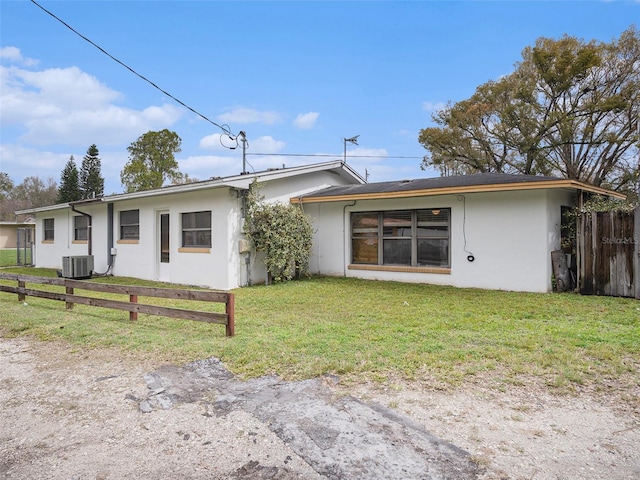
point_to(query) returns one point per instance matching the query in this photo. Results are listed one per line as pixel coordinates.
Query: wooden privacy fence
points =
(132, 306)
(609, 253)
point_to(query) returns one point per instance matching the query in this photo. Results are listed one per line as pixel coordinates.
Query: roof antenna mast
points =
(353, 140)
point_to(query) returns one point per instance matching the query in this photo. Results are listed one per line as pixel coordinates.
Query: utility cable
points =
(224, 128)
(326, 155)
(471, 257)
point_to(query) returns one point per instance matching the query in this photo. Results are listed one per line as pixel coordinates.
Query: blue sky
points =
(296, 76)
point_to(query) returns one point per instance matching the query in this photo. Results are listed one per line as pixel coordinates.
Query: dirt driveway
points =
(66, 413)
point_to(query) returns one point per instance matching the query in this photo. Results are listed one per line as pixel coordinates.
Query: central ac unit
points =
(79, 266)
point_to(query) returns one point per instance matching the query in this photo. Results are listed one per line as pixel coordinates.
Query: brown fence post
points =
(21, 296)
(133, 315)
(231, 322)
(69, 291)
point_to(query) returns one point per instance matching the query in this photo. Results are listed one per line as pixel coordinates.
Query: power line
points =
(327, 155)
(224, 128)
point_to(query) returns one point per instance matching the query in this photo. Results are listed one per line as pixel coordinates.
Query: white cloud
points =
(68, 106)
(249, 115)
(368, 155)
(21, 162)
(306, 121)
(159, 116)
(433, 106)
(361, 159)
(13, 54)
(266, 144)
(217, 141)
(64, 88)
(204, 167)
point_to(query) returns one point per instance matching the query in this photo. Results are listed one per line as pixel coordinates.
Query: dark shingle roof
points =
(430, 184)
(456, 184)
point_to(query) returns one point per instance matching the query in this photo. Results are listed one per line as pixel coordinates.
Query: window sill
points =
(47, 242)
(128, 242)
(400, 268)
(79, 242)
(194, 250)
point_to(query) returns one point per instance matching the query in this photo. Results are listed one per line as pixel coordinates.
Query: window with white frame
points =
(414, 238)
(196, 229)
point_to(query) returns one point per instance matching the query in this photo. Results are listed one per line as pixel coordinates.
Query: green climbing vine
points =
(283, 232)
(595, 203)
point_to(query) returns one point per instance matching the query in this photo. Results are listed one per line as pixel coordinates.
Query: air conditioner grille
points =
(79, 266)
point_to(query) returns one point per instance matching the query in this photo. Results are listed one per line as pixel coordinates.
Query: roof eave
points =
(58, 206)
(240, 181)
(458, 190)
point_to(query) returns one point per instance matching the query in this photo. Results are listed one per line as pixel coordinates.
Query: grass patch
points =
(374, 330)
(8, 257)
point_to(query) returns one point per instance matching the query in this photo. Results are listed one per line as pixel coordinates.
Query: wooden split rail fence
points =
(132, 306)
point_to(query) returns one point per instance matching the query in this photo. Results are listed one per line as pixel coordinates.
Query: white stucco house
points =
(490, 231)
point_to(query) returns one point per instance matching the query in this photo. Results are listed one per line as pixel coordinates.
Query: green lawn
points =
(9, 257)
(373, 330)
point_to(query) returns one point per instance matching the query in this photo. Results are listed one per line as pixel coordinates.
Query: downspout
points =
(344, 238)
(109, 236)
(89, 242)
(247, 255)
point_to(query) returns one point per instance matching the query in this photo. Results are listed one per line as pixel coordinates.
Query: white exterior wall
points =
(49, 254)
(222, 267)
(507, 234)
(510, 234)
(330, 255)
(284, 189)
(137, 259)
(216, 268)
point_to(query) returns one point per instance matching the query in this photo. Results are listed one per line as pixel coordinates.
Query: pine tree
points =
(91, 180)
(69, 190)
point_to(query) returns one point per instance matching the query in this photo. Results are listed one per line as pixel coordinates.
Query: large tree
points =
(152, 161)
(69, 190)
(33, 192)
(569, 109)
(6, 185)
(91, 180)
(6, 204)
